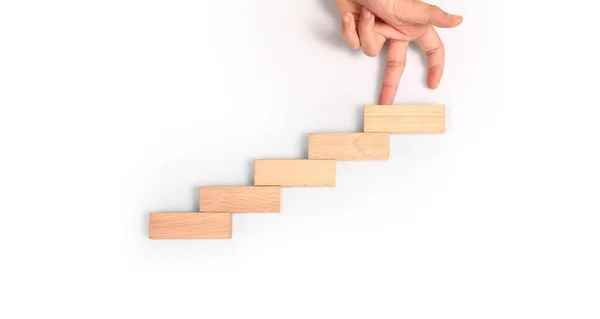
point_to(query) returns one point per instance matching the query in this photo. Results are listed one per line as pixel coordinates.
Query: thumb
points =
(423, 13)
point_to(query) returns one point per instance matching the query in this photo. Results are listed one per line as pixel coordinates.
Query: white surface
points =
(112, 109)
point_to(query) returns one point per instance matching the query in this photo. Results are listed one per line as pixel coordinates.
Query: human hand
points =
(370, 23)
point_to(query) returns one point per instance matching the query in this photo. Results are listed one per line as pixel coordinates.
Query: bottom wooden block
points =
(190, 226)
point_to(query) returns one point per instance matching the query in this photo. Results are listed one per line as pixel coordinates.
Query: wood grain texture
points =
(405, 118)
(240, 199)
(349, 146)
(190, 226)
(295, 173)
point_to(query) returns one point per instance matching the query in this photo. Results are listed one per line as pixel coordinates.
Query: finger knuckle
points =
(395, 63)
(399, 8)
(389, 87)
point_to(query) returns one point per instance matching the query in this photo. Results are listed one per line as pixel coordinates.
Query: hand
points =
(370, 23)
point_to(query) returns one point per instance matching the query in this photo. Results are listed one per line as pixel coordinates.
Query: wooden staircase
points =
(218, 204)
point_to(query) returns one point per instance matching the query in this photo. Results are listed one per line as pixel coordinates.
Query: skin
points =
(368, 24)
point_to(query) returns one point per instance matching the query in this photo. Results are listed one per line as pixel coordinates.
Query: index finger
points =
(396, 60)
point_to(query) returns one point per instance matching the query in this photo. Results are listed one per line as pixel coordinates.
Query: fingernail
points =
(347, 19)
(455, 17)
(366, 13)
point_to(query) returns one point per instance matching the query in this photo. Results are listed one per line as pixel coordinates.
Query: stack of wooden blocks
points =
(218, 204)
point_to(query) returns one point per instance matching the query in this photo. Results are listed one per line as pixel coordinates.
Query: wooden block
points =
(405, 118)
(295, 173)
(190, 226)
(349, 146)
(240, 199)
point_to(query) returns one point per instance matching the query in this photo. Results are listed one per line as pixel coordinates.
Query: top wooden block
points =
(405, 118)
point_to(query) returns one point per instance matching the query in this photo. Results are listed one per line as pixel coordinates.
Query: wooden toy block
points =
(190, 226)
(349, 146)
(295, 173)
(240, 199)
(405, 118)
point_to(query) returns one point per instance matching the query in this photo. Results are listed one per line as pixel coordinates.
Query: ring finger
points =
(371, 41)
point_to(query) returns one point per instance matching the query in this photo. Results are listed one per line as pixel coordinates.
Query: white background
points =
(112, 109)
